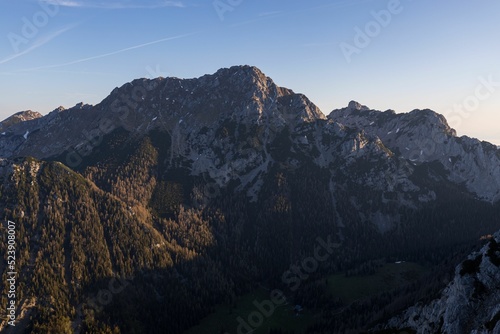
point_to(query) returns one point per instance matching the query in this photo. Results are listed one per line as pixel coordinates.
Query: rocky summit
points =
(422, 136)
(192, 110)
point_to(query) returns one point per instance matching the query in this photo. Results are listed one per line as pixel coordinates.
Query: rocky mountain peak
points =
(19, 117)
(433, 119)
(82, 106)
(240, 93)
(243, 71)
(353, 105)
(24, 116)
(243, 96)
(423, 136)
(59, 109)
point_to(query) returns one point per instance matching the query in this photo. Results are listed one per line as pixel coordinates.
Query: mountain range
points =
(144, 212)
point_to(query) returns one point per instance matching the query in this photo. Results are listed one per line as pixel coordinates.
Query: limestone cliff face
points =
(423, 136)
(235, 124)
(469, 304)
(242, 94)
(19, 117)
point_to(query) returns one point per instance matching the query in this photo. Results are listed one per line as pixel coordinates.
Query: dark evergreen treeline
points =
(183, 245)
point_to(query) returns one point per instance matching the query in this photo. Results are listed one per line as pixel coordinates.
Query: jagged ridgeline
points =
(172, 196)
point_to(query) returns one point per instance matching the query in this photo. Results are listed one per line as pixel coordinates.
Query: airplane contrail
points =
(38, 43)
(113, 5)
(110, 53)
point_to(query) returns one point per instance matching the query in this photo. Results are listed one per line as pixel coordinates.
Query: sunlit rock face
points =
(469, 304)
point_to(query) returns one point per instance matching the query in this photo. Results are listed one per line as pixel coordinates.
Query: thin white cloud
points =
(37, 43)
(74, 72)
(274, 14)
(64, 3)
(110, 53)
(115, 4)
(13, 73)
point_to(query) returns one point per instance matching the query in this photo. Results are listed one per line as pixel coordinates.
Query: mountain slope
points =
(74, 239)
(469, 304)
(241, 94)
(195, 191)
(19, 117)
(423, 136)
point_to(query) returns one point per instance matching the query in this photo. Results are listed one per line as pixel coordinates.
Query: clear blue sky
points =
(428, 54)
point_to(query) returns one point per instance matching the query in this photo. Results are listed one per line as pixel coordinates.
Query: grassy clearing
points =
(224, 319)
(387, 277)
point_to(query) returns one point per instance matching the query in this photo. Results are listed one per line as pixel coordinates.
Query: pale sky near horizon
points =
(386, 54)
